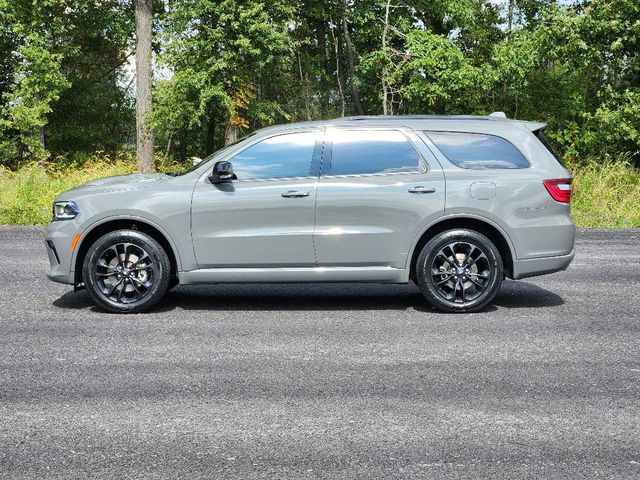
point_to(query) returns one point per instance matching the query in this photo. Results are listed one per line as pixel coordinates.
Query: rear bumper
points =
(533, 267)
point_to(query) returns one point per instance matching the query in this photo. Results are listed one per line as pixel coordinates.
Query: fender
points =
(457, 216)
(135, 218)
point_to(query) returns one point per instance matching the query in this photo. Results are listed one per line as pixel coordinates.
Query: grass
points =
(26, 196)
(605, 195)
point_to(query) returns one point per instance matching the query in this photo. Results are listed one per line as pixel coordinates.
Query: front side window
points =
(478, 150)
(283, 156)
(358, 152)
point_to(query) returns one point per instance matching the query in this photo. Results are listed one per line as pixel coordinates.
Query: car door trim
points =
(378, 274)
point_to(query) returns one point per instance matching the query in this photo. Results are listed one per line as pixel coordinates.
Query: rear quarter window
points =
(548, 145)
(478, 151)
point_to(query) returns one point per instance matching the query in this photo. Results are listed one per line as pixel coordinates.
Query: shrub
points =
(606, 195)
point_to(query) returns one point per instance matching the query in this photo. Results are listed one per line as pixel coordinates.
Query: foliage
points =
(61, 90)
(440, 79)
(224, 68)
(615, 124)
(222, 53)
(38, 83)
(28, 193)
(605, 195)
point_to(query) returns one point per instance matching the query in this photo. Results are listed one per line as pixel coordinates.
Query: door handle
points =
(295, 194)
(421, 189)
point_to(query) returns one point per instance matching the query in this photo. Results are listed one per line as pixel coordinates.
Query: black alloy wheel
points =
(459, 271)
(126, 271)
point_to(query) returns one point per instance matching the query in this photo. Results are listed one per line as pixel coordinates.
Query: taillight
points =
(559, 189)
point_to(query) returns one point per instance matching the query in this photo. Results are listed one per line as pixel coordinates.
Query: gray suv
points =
(453, 203)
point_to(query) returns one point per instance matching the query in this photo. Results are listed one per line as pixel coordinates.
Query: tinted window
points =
(545, 141)
(287, 155)
(478, 151)
(361, 152)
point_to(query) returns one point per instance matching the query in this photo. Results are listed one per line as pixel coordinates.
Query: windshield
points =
(211, 157)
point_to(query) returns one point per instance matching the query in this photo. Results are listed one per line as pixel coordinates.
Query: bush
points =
(606, 195)
(26, 196)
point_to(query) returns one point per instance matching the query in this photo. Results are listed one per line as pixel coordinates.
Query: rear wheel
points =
(459, 271)
(126, 271)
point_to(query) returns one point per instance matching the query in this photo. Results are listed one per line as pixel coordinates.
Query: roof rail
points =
(395, 118)
(409, 117)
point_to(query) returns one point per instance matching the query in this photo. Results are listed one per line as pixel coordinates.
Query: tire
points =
(126, 271)
(470, 284)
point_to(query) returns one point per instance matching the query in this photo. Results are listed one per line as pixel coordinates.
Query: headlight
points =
(65, 210)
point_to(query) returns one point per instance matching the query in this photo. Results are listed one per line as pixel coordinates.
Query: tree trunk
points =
(40, 130)
(510, 16)
(352, 70)
(230, 133)
(322, 46)
(323, 55)
(305, 87)
(144, 76)
(210, 134)
(166, 154)
(115, 134)
(385, 81)
(338, 70)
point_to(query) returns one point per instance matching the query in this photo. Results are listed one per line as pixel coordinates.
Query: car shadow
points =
(287, 297)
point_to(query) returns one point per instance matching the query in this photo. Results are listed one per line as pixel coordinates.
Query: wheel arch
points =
(99, 229)
(480, 225)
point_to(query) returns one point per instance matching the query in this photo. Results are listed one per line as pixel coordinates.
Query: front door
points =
(377, 191)
(266, 217)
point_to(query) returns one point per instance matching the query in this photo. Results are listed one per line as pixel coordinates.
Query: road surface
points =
(324, 381)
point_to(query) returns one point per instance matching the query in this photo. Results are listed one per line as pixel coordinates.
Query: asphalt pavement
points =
(324, 381)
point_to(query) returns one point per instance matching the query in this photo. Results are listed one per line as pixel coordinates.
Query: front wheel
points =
(126, 271)
(459, 271)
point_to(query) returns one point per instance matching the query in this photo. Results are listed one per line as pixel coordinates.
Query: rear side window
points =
(282, 156)
(478, 151)
(359, 152)
(545, 141)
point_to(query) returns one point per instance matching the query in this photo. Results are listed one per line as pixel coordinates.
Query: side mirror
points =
(222, 172)
(195, 160)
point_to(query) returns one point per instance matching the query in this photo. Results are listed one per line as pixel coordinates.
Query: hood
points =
(114, 184)
(123, 180)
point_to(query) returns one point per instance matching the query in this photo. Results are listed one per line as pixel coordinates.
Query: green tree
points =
(38, 83)
(35, 80)
(61, 88)
(231, 66)
(227, 58)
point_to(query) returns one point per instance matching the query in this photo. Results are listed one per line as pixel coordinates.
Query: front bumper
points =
(533, 267)
(58, 239)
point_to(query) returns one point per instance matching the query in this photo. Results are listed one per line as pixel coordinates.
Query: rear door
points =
(377, 191)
